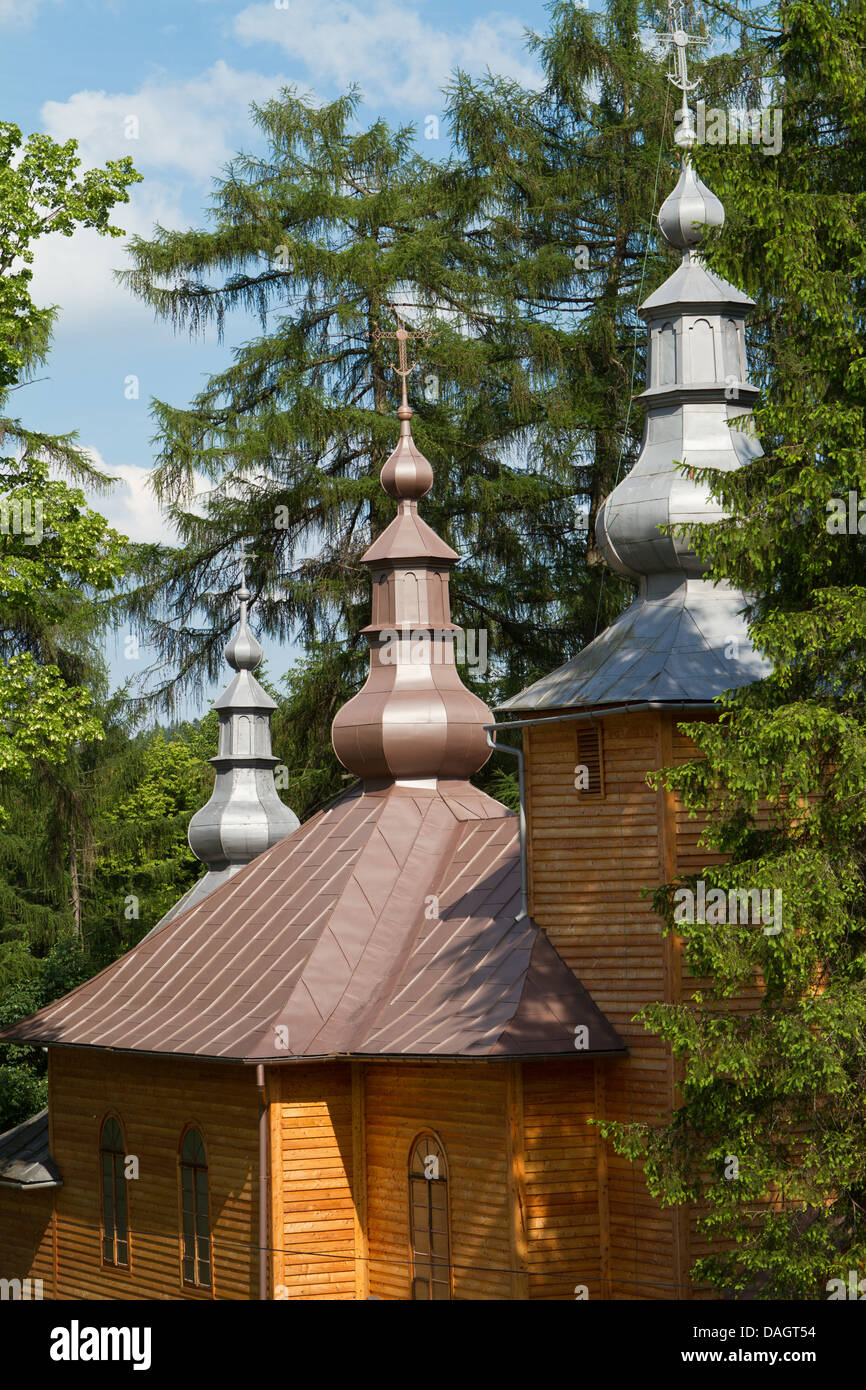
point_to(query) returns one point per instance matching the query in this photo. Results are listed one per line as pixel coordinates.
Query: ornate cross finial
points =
(685, 135)
(243, 651)
(241, 555)
(402, 335)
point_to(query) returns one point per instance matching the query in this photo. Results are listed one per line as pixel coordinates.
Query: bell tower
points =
(600, 839)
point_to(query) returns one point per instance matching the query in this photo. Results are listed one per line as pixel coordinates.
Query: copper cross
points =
(402, 334)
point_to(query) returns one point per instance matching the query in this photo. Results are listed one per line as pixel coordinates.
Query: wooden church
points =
(362, 1057)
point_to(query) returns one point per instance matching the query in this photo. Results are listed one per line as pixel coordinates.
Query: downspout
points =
(264, 1116)
(518, 754)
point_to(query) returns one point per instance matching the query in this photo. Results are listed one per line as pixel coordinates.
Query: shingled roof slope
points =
(387, 925)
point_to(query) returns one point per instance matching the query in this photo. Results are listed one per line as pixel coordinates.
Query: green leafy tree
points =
(56, 554)
(783, 773)
(143, 863)
(59, 562)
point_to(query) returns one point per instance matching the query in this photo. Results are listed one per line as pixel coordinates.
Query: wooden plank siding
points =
(590, 857)
(564, 1215)
(468, 1107)
(27, 1238)
(313, 1172)
(154, 1099)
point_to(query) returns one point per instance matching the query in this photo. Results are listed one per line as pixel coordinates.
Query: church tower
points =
(244, 815)
(598, 835)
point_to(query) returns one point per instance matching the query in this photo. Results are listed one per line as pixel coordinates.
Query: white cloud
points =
(394, 54)
(191, 126)
(19, 12)
(131, 507)
(186, 132)
(77, 272)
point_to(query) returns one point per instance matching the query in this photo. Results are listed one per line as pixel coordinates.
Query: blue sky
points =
(187, 71)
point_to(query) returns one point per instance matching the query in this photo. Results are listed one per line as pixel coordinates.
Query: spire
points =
(684, 638)
(697, 380)
(414, 721)
(243, 652)
(691, 208)
(244, 816)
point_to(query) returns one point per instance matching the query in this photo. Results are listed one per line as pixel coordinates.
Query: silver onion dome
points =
(689, 210)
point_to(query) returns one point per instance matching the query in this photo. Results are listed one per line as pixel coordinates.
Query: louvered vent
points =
(588, 773)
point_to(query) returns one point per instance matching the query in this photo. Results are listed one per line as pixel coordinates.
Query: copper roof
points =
(386, 926)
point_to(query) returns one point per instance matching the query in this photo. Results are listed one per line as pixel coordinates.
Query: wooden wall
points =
(27, 1237)
(525, 1212)
(154, 1099)
(564, 1197)
(589, 859)
(522, 1161)
(468, 1107)
(313, 1210)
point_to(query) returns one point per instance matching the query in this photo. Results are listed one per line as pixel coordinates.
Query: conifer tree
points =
(324, 237)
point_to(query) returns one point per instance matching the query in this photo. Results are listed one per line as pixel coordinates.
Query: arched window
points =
(195, 1212)
(428, 1220)
(115, 1225)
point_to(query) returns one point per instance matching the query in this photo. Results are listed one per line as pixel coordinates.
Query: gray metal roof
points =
(693, 284)
(688, 644)
(25, 1160)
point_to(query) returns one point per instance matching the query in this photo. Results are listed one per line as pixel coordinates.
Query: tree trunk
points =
(76, 888)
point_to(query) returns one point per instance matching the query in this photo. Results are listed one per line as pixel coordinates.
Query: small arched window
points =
(195, 1211)
(428, 1220)
(115, 1224)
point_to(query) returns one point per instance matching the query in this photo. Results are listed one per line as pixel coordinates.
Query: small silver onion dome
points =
(244, 815)
(243, 652)
(689, 210)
